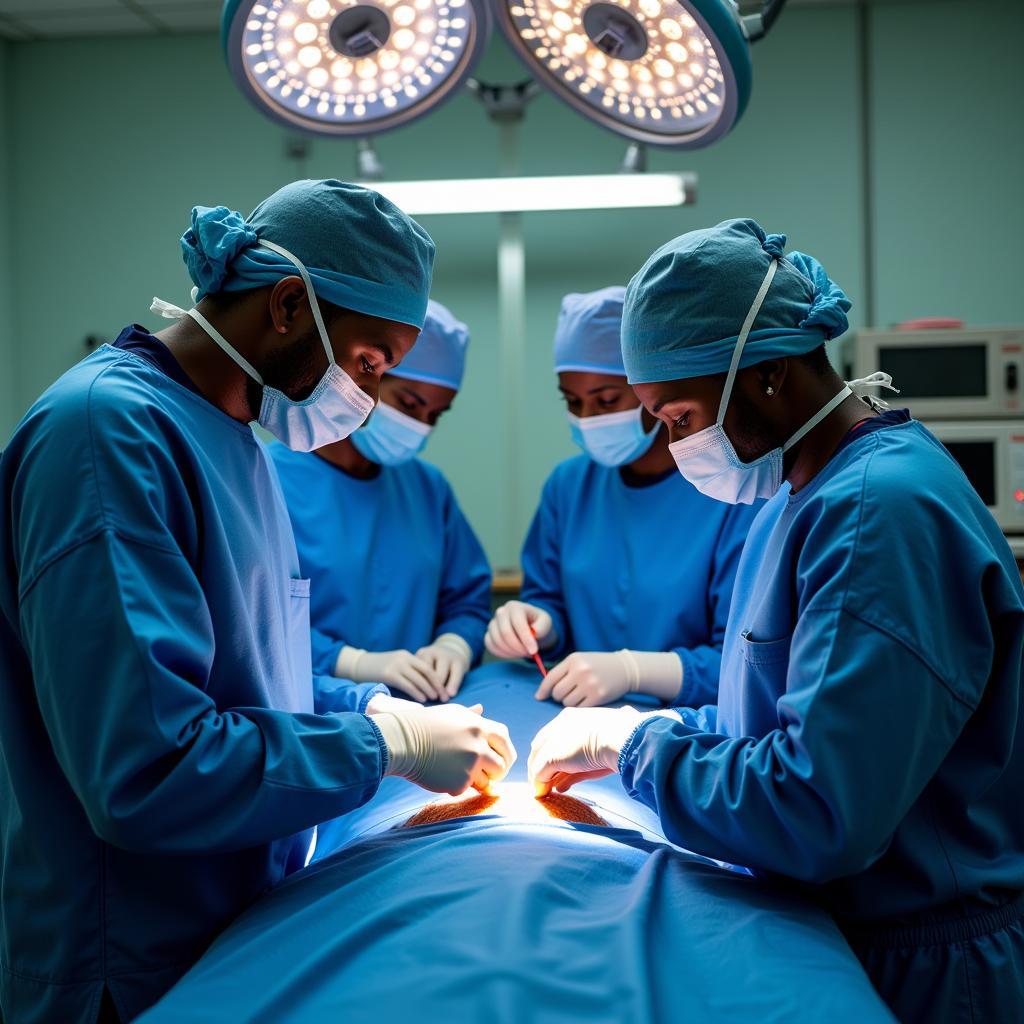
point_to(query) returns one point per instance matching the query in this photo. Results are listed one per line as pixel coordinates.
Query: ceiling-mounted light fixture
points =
(348, 67)
(522, 195)
(673, 73)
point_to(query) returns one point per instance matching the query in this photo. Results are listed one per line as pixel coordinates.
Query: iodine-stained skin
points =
(558, 806)
(506, 691)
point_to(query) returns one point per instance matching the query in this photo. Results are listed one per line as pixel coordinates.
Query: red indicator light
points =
(1018, 495)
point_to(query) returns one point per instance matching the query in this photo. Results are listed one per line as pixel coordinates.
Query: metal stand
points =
(506, 106)
(368, 165)
(635, 160)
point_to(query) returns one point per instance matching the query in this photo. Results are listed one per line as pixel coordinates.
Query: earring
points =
(769, 391)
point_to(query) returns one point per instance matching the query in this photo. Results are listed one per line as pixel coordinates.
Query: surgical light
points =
(673, 73)
(348, 67)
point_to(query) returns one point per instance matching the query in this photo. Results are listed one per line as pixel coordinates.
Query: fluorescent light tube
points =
(522, 195)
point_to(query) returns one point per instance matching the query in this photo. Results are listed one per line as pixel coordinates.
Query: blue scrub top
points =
(393, 561)
(867, 738)
(650, 568)
(161, 762)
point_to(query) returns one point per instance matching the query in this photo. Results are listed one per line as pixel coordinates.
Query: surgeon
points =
(400, 584)
(163, 759)
(867, 740)
(607, 518)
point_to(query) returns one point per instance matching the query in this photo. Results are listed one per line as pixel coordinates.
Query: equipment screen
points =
(938, 371)
(978, 460)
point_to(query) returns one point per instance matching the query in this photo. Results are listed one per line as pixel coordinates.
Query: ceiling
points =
(47, 19)
(53, 19)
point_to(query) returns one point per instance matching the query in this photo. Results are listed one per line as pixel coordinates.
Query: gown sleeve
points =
(867, 704)
(332, 694)
(325, 650)
(156, 765)
(862, 715)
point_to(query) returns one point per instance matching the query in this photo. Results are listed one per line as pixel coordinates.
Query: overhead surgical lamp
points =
(349, 67)
(673, 73)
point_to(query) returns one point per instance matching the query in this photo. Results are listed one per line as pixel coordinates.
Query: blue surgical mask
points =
(614, 439)
(390, 437)
(337, 405)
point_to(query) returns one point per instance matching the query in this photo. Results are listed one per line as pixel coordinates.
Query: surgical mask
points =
(613, 439)
(390, 437)
(708, 459)
(336, 407)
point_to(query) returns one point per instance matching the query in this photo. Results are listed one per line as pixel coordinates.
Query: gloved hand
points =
(509, 636)
(399, 670)
(381, 702)
(446, 749)
(580, 744)
(450, 658)
(586, 679)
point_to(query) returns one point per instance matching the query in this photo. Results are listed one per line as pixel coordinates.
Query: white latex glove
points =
(587, 679)
(509, 633)
(381, 702)
(446, 749)
(580, 744)
(399, 670)
(450, 657)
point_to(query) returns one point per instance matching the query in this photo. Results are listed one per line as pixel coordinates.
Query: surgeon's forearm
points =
(347, 665)
(654, 673)
(324, 651)
(156, 764)
(702, 666)
(802, 799)
(457, 644)
(469, 628)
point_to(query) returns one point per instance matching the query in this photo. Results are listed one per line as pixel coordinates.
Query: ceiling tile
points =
(49, 8)
(115, 22)
(11, 30)
(179, 5)
(187, 19)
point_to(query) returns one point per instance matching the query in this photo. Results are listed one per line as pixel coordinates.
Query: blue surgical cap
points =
(587, 335)
(361, 251)
(439, 355)
(685, 308)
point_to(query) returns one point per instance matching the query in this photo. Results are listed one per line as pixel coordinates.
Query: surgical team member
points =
(868, 735)
(607, 518)
(162, 759)
(400, 584)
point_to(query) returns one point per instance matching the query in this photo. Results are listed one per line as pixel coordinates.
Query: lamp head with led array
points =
(349, 67)
(670, 73)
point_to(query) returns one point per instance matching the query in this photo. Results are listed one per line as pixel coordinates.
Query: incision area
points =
(512, 800)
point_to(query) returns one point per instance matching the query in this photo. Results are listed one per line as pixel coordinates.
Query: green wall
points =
(948, 113)
(10, 398)
(111, 141)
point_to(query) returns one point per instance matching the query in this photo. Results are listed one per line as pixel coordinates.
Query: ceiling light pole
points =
(506, 107)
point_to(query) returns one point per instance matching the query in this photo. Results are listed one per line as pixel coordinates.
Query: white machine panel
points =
(992, 456)
(946, 374)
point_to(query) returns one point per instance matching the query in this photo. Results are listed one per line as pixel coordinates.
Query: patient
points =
(505, 909)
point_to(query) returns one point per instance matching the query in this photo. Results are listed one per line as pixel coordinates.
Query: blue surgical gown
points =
(393, 561)
(868, 734)
(160, 761)
(650, 568)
